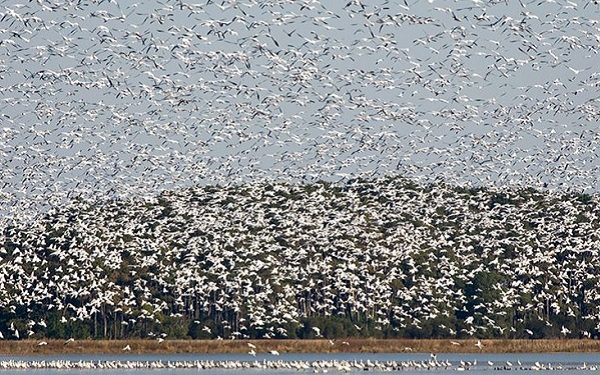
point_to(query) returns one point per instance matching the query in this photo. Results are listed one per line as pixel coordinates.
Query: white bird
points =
(529, 332)
(126, 348)
(317, 331)
(479, 344)
(274, 352)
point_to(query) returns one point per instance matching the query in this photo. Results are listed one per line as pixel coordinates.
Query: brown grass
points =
(31, 347)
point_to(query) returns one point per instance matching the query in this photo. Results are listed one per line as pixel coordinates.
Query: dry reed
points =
(32, 347)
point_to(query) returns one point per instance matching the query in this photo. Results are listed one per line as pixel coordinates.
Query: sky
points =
(105, 99)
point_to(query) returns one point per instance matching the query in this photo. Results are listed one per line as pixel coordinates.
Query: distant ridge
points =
(382, 258)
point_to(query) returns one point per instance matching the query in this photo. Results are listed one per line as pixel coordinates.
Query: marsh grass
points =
(31, 347)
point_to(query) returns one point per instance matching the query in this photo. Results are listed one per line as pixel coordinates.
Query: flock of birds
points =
(101, 99)
(105, 105)
(256, 261)
(316, 366)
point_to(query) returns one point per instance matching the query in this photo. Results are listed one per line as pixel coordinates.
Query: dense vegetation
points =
(382, 258)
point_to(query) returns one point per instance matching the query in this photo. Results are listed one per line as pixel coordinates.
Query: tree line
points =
(381, 258)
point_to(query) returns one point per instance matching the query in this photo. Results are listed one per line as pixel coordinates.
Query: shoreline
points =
(138, 346)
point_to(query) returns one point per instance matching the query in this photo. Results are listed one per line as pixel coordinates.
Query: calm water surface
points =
(572, 363)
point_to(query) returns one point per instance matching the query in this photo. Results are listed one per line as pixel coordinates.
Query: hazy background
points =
(113, 99)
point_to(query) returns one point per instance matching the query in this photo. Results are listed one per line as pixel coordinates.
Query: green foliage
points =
(77, 329)
(175, 327)
(55, 328)
(330, 327)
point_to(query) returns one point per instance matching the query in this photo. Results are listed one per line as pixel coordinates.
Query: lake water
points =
(572, 363)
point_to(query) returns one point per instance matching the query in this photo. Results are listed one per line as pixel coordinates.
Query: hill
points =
(382, 258)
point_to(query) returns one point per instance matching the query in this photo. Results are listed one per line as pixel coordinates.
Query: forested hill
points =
(383, 258)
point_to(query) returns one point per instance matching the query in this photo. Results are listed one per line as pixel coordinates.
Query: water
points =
(571, 363)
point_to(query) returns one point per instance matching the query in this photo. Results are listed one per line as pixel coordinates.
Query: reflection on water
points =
(572, 363)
